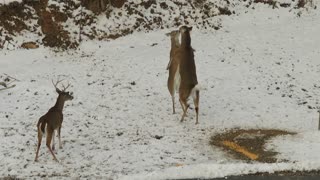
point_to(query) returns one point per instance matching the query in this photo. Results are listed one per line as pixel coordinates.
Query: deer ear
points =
(190, 28)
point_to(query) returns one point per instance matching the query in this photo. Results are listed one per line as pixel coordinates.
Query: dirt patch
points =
(243, 144)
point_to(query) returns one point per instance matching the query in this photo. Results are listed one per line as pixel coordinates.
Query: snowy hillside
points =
(259, 70)
(64, 24)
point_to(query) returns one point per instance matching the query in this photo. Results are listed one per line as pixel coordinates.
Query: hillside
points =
(64, 24)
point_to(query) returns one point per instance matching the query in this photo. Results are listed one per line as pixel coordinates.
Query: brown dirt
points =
(50, 22)
(253, 140)
(13, 12)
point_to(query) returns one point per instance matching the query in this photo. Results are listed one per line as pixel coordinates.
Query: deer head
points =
(174, 35)
(63, 94)
(185, 35)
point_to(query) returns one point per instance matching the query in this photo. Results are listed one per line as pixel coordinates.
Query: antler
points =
(65, 88)
(55, 84)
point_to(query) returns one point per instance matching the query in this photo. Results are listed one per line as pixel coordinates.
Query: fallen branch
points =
(8, 87)
(3, 84)
(11, 77)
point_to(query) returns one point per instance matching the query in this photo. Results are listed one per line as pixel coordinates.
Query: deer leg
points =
(39, 142)
(49, 138)
(173, 106)
(185, 107)
(59, 136)
(196, 98)
(53, 146)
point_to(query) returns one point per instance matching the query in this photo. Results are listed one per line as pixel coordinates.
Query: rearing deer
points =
(173, 67)
(174, 36)
(187, 70)
(52, 120)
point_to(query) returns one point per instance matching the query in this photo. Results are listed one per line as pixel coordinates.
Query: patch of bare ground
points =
(248, 142)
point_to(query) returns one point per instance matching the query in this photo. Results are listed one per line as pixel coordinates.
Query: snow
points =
(252, 72)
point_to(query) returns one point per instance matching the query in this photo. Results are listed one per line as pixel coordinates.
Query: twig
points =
(3, 84)
(11, 77)
(8, 87)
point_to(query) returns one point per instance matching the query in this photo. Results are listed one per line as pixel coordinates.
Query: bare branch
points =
(8, 87)
(3, 84)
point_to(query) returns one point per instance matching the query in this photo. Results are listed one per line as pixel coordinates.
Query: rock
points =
(29, 45)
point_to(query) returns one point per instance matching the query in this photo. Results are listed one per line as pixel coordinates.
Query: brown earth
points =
(54, 32)
(252, 140)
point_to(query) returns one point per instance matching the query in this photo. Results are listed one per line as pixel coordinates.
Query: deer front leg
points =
(59, 136)
(49, 138)
(53, 144)
(39, 143)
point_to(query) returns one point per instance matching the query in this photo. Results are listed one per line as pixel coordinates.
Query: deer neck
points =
(59, 104)
(186, 40)
(173, 42)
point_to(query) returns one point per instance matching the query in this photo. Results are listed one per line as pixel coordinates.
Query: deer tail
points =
(41, 125)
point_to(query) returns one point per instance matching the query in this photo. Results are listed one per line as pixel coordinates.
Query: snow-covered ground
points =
(260, 70)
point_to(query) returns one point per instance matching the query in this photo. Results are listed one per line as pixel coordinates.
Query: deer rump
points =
(44, 120)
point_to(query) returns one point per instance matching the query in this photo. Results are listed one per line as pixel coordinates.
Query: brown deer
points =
(174, 77)
(52, 120)
(187, 70)
(174, 36)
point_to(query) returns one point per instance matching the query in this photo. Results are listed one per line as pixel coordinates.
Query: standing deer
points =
(187, 69)
(52, 120)
(173, 67)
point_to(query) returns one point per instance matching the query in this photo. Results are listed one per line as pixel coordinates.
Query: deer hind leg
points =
(49, 138)
(53, 144)
(171, 89)
(59, 136)
(196, 96)
(173, 106)
(39, 142)
(185, 107)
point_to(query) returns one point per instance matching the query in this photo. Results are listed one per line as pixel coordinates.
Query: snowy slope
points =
(120, 123)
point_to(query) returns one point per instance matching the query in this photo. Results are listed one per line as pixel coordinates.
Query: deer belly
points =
(177, 80)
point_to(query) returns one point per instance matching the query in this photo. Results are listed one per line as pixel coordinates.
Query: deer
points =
(187, 71)
(52, 120)
(174, 77)
(174, 36)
